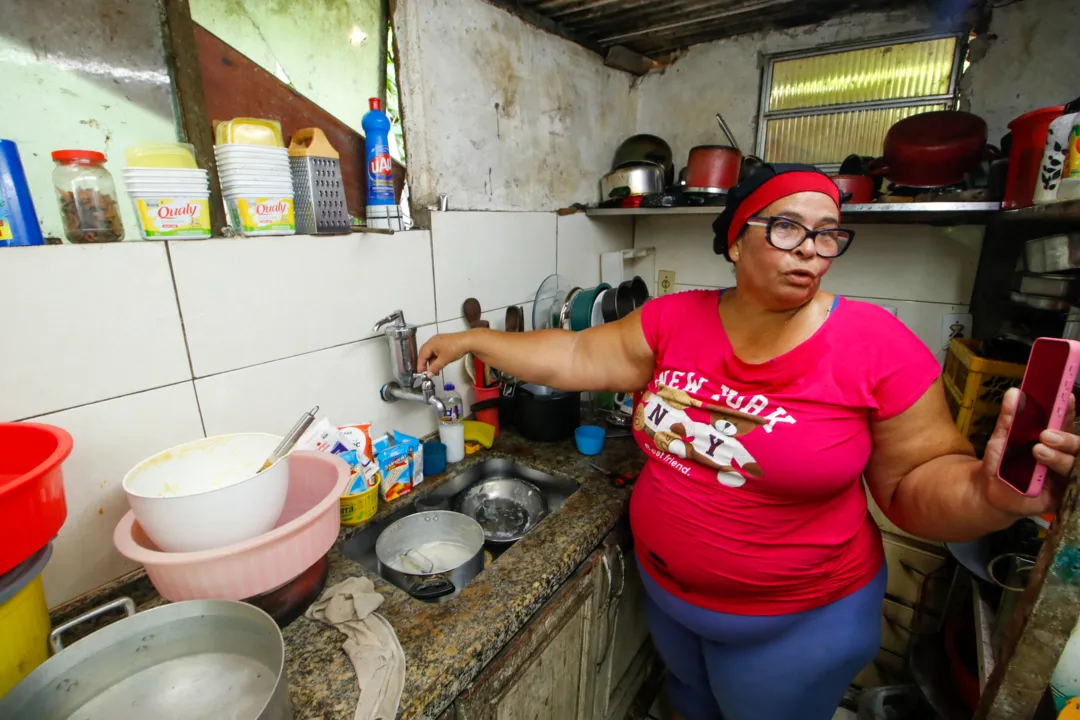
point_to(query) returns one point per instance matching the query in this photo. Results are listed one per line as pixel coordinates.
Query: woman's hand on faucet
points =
(440, 351)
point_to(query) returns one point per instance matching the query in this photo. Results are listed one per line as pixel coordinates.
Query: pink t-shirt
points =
(751, 500)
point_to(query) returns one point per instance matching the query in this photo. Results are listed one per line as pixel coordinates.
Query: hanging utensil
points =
(290, 439)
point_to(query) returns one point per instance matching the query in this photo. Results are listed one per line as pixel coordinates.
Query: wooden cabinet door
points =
(547, 670)
(624, 654)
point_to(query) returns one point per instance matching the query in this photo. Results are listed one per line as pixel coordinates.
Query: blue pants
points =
(784, 667)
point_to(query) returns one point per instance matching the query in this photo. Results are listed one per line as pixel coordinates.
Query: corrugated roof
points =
(656, 27)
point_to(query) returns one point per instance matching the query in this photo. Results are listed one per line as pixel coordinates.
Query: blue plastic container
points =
(590, 439)
(18, 219)
(434, 458)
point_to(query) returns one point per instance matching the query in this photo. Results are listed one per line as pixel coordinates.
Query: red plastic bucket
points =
(1028, 142)
(32, 506)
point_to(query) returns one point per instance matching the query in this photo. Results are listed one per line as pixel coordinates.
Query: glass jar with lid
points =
(87, 197)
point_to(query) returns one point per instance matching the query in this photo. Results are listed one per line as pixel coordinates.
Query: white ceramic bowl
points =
(208, 493)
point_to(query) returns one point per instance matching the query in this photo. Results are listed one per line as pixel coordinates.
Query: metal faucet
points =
(409, 384)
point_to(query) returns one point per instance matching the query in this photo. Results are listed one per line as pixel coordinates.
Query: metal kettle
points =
(401, 337)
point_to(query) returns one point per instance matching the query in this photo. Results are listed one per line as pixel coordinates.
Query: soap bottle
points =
(382, 208)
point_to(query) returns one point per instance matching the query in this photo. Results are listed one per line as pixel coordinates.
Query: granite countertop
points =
(446, 645)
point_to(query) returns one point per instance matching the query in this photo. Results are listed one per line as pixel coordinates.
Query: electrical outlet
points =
(666, 282)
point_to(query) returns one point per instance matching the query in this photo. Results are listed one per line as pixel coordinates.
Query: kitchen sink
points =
(360, 547)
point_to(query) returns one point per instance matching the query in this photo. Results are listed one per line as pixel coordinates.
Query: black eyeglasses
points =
(785, 234)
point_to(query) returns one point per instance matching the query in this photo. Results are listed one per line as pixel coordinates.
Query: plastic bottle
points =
(1065, 682)
(452, 435)
(382, 208)
(18, 219)
(454, 406)
(1056, 154)
(1069, 189)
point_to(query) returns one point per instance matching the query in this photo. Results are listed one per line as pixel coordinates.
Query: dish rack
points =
(974, 387)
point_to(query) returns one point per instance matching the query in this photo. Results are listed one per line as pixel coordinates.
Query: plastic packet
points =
(395, 464)
(416, 449)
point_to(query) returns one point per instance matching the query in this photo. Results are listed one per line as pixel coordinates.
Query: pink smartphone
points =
(1044, 400)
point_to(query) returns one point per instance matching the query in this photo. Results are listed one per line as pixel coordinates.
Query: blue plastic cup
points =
(434, 458)
(590, 439)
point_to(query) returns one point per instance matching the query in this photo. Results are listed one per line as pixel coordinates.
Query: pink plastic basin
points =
(306, 530)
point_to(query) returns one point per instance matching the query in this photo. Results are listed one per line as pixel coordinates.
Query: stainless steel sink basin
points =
(360, 548)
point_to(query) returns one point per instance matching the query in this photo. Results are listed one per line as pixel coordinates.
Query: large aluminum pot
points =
(199, 658)
(431, 555)
(636, 178)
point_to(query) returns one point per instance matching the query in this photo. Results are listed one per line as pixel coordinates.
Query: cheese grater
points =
(320, 192)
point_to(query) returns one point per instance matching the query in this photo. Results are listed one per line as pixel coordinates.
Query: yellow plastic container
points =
(24, 623)
(176, 156)
(249, 131)
(974, 387)
(359, 508)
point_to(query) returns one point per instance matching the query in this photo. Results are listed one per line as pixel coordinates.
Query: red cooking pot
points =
(712, 169)
(932, 149)
(859, 188)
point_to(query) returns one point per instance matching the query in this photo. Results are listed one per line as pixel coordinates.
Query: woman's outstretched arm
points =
(614, 356)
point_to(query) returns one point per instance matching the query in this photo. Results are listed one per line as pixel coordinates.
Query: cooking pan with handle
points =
(932, 149)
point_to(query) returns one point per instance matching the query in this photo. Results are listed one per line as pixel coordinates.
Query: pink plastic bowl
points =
(306, 531)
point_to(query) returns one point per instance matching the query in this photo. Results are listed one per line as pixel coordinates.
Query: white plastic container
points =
(254, 213)
(208, 493)
(452, 435)
(172, 215)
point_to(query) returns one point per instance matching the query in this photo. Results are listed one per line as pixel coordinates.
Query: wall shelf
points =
(1065, 211)
(927, 213)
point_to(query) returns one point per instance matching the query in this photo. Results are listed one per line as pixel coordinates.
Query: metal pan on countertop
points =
(197, 658)
(507, 508)
(431, 555)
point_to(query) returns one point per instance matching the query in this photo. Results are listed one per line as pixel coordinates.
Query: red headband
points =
(780, 186)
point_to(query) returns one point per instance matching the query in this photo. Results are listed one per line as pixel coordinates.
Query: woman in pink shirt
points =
(761, 409)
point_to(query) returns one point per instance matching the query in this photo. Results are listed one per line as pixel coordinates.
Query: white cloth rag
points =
(371, 644)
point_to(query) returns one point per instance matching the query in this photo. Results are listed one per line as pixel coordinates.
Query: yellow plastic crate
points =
(974, 387)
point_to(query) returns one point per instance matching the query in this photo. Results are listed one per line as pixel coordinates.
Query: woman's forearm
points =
(542, 357)
(613, 356)
(945, 500)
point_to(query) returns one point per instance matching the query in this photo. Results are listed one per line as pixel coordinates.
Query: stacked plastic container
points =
(170, 193)
(253, 166)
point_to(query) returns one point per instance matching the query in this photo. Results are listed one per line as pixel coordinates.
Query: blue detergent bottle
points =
(18, 220)
(382, 208)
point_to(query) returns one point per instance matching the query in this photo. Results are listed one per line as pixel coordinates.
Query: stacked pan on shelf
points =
(560, 305)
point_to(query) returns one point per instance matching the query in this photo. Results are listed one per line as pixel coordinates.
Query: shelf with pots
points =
(1063, 211)
(922, 213)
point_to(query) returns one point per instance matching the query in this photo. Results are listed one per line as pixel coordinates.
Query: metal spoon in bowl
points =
(290, 439)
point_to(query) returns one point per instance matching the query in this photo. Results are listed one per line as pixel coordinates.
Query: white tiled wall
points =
(922, 272)
(499, 258)
(249, 302)
(137, 347)
(110, 438)
(84, 323)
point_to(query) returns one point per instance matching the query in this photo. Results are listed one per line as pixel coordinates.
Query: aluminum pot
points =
(640, 178)
(646, 148)
(197, 658)
(453, 543)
